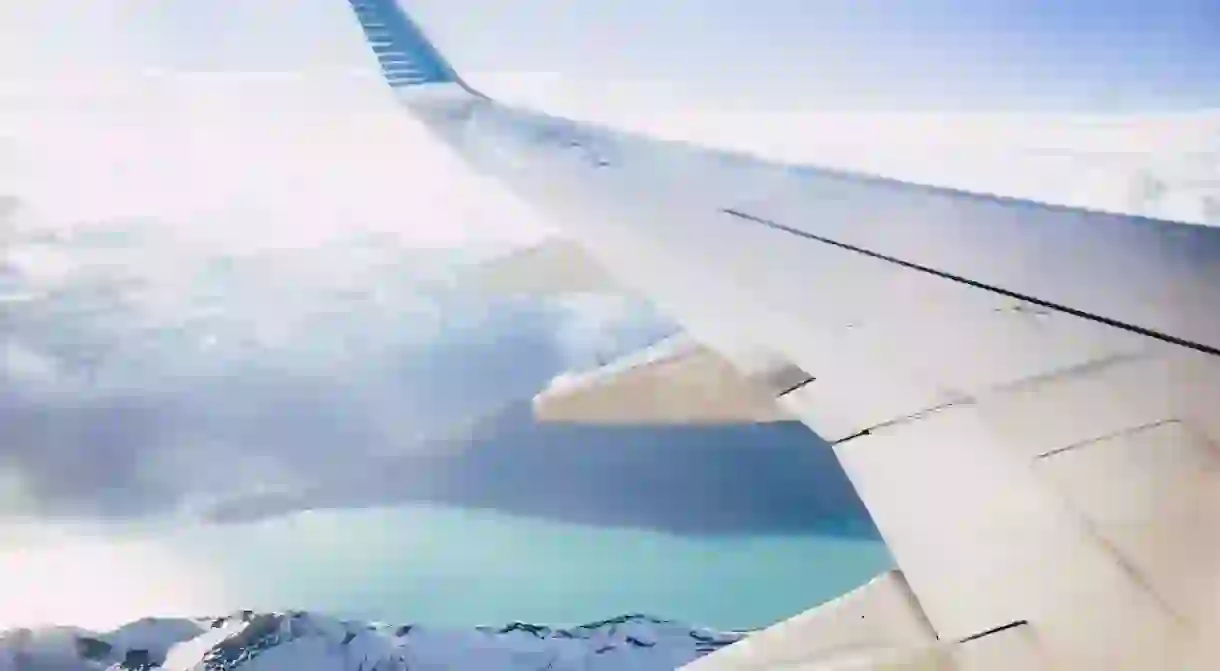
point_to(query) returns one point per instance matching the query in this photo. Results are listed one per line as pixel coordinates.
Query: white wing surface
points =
(1027, 398)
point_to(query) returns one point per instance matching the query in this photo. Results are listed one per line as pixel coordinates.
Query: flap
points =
(553, 267)
(677, 381)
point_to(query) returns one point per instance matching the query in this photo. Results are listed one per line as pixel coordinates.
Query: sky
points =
(192, 187)
(199, 111)
(936, 54)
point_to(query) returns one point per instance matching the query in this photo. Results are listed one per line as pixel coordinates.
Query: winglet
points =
(406, 55)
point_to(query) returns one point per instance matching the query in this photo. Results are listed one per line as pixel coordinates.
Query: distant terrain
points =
(301, 641)
(777, 478)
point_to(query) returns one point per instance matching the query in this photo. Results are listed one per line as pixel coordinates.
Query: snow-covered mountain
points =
(301, 641)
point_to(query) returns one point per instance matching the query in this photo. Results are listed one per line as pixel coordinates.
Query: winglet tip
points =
(406, 55)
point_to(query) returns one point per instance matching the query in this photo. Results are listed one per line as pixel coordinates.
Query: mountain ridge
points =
(304, 641)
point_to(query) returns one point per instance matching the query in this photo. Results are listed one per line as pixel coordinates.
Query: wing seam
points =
(1157, 335)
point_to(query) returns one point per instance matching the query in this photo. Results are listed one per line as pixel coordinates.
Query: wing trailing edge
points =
(675, 382)
(553, 267)
(879, 625)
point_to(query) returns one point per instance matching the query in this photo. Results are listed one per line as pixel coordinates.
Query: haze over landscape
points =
(231, 292)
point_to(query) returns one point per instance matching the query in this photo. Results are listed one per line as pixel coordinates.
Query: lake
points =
(448, 566)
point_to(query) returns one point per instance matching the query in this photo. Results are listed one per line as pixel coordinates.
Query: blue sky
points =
(939, 54)
(942, 54)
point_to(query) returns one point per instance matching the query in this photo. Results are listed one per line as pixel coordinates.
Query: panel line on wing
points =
(796, 387)
(1157, 335)
(858, 434)
(904, 419)
(1108, 436)
(993, 631)
(1091, 366)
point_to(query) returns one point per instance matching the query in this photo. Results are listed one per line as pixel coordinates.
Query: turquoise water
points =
(461, 567)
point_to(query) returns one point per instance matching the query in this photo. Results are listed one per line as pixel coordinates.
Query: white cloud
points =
(256, 125)
(59, 575)
(287, 182)
(256, 160)
(283, 174)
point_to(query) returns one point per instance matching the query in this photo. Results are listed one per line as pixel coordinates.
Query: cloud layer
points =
(216, 288)
(136, 374)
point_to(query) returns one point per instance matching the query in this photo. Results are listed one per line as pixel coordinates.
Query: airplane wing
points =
(1026, 397)
(673, 382)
